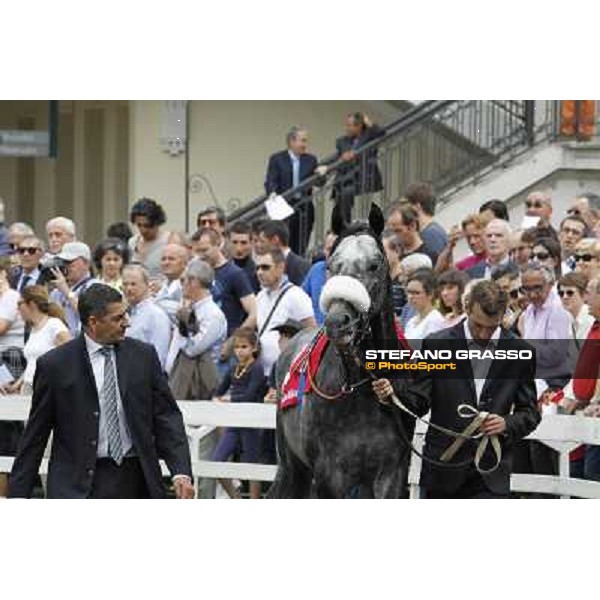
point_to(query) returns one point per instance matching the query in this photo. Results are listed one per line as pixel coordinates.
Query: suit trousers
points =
(473, 488)
(125, 481)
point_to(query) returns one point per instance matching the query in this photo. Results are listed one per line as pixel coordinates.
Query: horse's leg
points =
(388, 482)
(330, 480)
(293, 478)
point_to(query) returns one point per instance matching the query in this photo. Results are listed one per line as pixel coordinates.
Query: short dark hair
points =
(280, 229)
(576, 219)
(529, 236)
(110, 244)
(497, 207)
(422, 194)
(427, 279)
(407, 212)
(574, 279)
(276, 254)
(241, 228)
(211, 234)
(489, 297)
(94, 301)
(146, 207)
(250, 335)
(257, 225)
(217, 210)
(509, 270)
(119, 230)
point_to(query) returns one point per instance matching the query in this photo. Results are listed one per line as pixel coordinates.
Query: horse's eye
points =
(373, 267)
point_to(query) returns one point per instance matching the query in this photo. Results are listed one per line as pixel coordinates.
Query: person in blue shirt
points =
(317, 275)
(246, 383)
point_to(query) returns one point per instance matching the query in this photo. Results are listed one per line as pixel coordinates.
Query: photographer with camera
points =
(71, 276)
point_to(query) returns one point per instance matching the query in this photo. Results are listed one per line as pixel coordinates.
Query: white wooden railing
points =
(202, 418)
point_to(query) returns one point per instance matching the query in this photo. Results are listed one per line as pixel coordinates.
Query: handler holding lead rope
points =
(489, 403)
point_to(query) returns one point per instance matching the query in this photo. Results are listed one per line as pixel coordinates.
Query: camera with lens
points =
(46, 274)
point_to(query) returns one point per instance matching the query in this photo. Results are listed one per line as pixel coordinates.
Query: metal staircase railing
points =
(444, 142)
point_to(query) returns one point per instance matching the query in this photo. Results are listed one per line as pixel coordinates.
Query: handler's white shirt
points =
(480, 367)
(296, 304)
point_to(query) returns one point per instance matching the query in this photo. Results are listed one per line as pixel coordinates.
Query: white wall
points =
(230, 142)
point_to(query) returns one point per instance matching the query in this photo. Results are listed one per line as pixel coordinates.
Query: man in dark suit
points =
(503, 388)
(287, 169)
(496, 239)
(111, 412)
(360, 173)
(30, 251)
(275, 234)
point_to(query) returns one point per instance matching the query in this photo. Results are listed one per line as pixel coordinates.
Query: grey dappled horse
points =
(341, 442)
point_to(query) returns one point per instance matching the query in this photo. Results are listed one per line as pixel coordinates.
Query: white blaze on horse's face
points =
(360, 257)
(355, 271)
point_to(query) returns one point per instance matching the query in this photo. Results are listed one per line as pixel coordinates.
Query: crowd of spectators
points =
(218, 304)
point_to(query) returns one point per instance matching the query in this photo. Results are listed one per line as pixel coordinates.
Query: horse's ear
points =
(337, 221)
(376, 219)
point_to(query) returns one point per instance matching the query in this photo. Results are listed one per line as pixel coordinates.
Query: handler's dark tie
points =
(109, 391)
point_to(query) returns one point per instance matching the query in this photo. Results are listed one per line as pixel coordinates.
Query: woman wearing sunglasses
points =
(587, 257)
(571, 290)
(547, 252)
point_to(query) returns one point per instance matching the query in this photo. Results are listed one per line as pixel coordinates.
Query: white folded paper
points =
(277, 208)
(528, 222)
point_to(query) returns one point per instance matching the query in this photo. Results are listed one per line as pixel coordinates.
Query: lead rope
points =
(465, 411)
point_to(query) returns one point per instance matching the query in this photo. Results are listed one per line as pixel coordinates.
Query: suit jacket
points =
(478, 271)
(362, 175)
(280, 176)
(509, 391)
(296, 268)
(65, 401)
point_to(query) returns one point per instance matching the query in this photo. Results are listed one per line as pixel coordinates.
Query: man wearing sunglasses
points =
(539, 204)
(30, 252)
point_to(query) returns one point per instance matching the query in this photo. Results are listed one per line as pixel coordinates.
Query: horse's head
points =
(357, 284)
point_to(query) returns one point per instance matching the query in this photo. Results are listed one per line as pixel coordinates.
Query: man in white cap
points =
(72, 280)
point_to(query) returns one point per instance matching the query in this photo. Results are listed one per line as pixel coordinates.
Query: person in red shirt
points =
(585, 379)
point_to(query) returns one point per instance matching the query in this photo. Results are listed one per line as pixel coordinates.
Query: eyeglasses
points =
(584, 257)
(30, 251)
(567, 293)
(264, 267)
(540, 255)
(535, 204)
(532, 289)
(574, 211)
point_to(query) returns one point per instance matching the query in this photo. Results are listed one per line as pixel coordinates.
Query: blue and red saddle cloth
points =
(305, 365)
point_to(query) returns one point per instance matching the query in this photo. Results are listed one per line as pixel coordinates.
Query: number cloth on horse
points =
(306, 363)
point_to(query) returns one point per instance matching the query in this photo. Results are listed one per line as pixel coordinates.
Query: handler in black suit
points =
(110, 409)
(503, 388)
(287, 169)
(359, 174)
